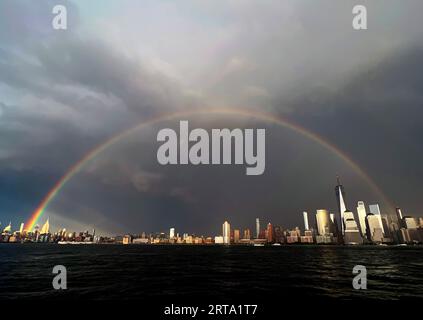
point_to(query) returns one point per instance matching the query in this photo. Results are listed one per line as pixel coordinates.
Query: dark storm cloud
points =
(91, 65)
(99, 67)
(63, 95)
(67, 91)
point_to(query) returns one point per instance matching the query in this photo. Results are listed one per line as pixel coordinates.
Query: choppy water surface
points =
(138, 272)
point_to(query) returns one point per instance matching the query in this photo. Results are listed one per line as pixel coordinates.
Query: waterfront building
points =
(305, 216)
(189, 240)
(279, 234)
(399, 217)
(340, 200)
(8, 229)
(325, 226)
(387, 232)
(411, 236)
(410, 222)
(257, 228)
(420, 235)
(351, 232)
(293, 236)
(307, 237)
(236, 236)
(226, 232)
(198, 240)
(361, 212)
(414, 235)
(374, 208)
(325, 239)
(208, 240)
(45, 228)
(218, 240)
(127, 239)
(270, 233)
(247, 234)
(405, 235)
(373, 227)
(395, 232)
(140, 241)
(172, 233)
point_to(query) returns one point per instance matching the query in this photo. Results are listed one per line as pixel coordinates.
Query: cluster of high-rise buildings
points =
(43, 235)
(371, 226)
(365, 226)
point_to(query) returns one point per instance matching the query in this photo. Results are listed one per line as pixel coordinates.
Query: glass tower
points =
(340, 200)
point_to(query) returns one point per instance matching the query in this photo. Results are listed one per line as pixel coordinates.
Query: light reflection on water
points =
(138, 272)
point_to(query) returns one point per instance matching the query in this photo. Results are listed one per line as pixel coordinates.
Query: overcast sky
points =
(120, 63)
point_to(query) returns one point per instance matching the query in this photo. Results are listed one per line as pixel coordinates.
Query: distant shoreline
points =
(70, 244)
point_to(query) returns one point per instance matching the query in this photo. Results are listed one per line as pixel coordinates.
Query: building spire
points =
(338, 180)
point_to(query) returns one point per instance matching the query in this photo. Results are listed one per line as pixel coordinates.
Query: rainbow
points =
(73, 170)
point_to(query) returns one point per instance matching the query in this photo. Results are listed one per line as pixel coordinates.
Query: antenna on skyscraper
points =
(337, 180)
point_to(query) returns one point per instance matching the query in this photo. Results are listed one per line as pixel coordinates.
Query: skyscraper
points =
(305, 215)
(373, 227)
(352, 233)
(410, 223)
(361, 212)
(46, 228)
(172, 233)
(399, 217)
(278, 234)
(21, 228)
(324, 224)
(257, 228)
(374, 208)
(236, 235)
(340, 197)
(247, 234)
(386, 231)
(8, 228)
(270, 233)
(226, 233)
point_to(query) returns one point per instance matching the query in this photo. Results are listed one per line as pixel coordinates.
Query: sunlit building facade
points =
(375, 209)
(257, 228)
(351, 232)
(305, 216)
(325, 226)
(237, 236)
(226, 232)
(361, 212)
(270, 233)
(342, 207)
(373, 227)
(247, 234)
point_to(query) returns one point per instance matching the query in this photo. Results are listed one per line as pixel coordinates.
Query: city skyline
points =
(345, 227)
(359, 215)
